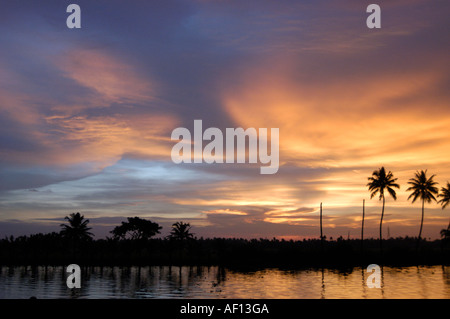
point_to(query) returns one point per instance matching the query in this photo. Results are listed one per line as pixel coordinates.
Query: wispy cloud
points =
(86, 117)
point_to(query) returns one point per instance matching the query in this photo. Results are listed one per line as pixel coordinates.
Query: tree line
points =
(380, 183)
(133, 240)
(134, 228)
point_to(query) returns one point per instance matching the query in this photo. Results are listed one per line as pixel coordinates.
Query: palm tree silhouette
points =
(445, 233)
(362, 226)
(77, 228)
(423, 188)
(445, 194)
(181, 231)
(378, 183)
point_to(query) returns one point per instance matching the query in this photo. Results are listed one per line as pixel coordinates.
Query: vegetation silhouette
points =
(425, 189)
(180, 239)
(445, 233)
(445, 194)
(380, 182)
(51, 249)
(181, 231)
(133, 242)
(76, 233)
(136, 229)
(444, 201)
(77, 229)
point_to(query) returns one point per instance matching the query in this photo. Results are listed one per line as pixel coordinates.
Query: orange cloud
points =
(344, 124)
(291, 212)
(350, 124)
(112, 80)
(225, 212)
(107, 139)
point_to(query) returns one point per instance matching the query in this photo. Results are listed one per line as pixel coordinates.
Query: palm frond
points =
(380, 181)
(445, 194)
(422, 187)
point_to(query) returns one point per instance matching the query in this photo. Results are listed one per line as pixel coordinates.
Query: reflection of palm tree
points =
(378, 183)
(181, 231)
(77, 228)
(423, 188)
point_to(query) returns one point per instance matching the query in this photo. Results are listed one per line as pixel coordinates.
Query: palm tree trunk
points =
(362, 227)
(381, 226)
(421, 224)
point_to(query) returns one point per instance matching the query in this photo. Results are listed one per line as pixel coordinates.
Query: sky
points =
(86, 115)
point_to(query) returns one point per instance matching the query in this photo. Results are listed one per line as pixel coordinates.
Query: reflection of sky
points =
(214, 282)
(86, 115)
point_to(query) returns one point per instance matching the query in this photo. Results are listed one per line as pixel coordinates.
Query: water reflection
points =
(218, 282)
(322, 293)
(446, 275)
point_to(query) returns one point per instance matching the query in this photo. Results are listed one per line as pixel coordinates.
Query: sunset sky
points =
(86, 114)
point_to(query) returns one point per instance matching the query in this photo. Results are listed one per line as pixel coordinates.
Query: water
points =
(215, 282)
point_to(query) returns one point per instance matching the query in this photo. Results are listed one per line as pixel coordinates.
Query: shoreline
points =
(230, 253)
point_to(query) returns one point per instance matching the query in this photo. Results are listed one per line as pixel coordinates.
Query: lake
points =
(218, 282)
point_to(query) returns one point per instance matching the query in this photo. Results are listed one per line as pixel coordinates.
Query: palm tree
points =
(77, 228)
(445, 233)
(362, 226)
(181, 231)
(445, 194)
(380, 182)
(423, 188)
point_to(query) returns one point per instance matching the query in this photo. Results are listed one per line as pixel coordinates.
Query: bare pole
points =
(321, 232)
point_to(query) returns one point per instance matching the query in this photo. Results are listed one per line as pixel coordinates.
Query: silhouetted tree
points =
(445, 194)
(445, 200)
(181, 231)
(77, 228)
(380, 182)
(423, 188)
(445, 233)
(136, 228)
